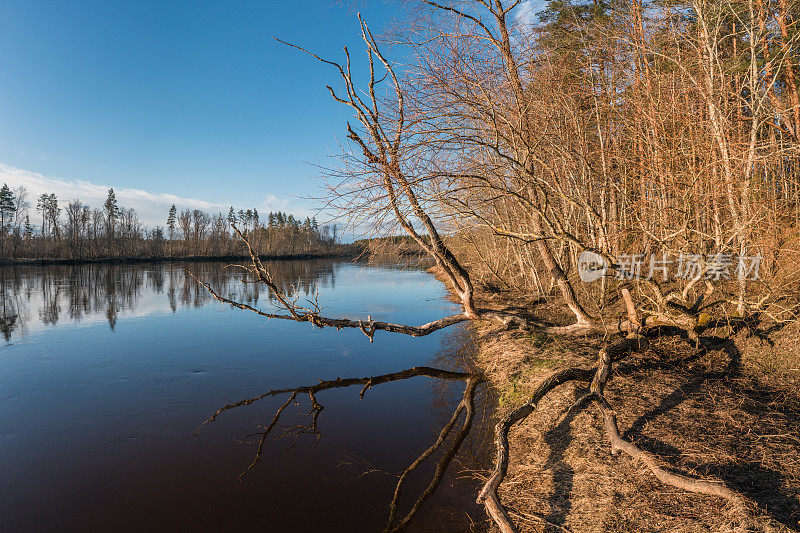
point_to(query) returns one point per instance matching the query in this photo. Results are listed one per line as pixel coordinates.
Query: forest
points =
(77, 231)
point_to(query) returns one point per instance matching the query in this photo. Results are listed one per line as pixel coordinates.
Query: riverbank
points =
(164, 259)
(730, 414)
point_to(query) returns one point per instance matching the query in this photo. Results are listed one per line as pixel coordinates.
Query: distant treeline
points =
(78, 231)
(393, 245)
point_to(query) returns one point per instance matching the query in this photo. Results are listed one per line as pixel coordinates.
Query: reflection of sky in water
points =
(97, 422)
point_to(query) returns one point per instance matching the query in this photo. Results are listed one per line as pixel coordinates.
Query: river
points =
(106, 371)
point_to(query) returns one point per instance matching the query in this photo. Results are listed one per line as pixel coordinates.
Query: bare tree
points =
(476, 139)
(185, 224)
(200, 223)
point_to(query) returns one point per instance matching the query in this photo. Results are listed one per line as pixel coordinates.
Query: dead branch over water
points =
(505, 151)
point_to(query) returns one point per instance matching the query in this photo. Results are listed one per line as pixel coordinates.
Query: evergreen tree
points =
(47, 205)
(566, 22)
(112, 212)
(573, 32)
(28, 228)
(171, 218)
(7, 207)
(41, 207)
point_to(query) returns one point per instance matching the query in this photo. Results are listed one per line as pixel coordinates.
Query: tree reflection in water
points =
(49, 294)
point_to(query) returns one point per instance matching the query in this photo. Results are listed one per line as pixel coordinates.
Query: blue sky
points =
(187, 102)
(190, 99)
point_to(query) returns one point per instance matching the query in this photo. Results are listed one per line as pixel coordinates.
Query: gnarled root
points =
(689, 484)
(598, 376)
(488, 495)
(618, 444)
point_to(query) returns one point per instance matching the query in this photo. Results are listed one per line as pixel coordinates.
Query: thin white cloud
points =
(273, 203)
(299, 207)
(152, 208)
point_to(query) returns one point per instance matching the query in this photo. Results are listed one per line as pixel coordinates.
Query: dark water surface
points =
(107, 370)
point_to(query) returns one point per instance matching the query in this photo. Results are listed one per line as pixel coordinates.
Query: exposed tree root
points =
(599, 376)
(488, 495)
(618, 444)
(689, 484)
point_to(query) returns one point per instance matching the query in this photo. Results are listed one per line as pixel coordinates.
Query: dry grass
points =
(718, 415)
(731, 414)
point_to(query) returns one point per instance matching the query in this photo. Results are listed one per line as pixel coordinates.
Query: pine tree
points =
(41, 207)
(112, 212)
(573, 32)
(47, 205)
(53, 212)
(28, 228)
(171, 218)
(566, 22)
(7, 207)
